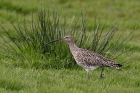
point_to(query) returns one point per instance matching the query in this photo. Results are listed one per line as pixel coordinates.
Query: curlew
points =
(87, 59)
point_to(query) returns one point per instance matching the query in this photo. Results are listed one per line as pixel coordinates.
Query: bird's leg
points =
(101, 75)
(88, 73)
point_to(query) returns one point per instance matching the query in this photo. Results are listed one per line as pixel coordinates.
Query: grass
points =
(67, 80)
(107, 11)
(15, 79)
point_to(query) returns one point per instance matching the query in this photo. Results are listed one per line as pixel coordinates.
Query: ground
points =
(29, 80)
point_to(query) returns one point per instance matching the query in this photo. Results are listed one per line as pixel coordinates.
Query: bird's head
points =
(67, 38)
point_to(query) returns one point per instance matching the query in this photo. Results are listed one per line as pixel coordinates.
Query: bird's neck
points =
(72, 46)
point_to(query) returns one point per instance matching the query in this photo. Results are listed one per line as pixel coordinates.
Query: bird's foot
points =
(101, 76)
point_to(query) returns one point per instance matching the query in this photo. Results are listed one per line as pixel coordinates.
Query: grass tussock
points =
(26, 42)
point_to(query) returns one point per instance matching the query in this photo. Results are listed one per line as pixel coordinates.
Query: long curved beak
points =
(53, 41)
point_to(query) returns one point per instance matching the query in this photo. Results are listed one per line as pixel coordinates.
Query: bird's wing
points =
(93, 59)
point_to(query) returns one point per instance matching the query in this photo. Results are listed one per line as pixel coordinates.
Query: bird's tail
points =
(114, 65)
(117, 66)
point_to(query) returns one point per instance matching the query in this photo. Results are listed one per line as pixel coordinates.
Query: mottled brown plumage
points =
(88, 59)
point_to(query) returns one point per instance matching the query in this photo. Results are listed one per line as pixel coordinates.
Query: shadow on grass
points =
(17, 8)
(11, 85)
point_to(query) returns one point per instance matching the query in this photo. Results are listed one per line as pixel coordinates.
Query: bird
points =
(87, 59)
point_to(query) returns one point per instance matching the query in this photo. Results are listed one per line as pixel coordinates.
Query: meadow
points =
(36, 75)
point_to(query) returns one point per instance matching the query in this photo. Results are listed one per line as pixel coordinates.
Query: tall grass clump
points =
(25, 43)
